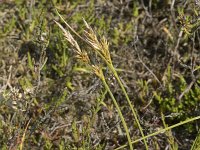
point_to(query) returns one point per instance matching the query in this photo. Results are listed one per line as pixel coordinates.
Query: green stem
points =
(119, 112)
(161, 131)
(129, 102)
(112, 68)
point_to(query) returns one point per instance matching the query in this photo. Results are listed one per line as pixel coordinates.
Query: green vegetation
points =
(89, 74)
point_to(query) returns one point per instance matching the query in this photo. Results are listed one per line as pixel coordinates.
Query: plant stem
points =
(162, 131)
(119, 112)
(112, 68)
(129, 102)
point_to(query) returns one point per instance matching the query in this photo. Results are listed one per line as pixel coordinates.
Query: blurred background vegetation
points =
(49, 100)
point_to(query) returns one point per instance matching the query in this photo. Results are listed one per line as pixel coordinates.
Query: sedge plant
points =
(101, 47)
(97, 70)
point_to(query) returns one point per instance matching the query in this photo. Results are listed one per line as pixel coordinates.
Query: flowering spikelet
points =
(105, 49)
(101, 46)
(97, 71)
(69, 38)
(83, 56)
(91, 37)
